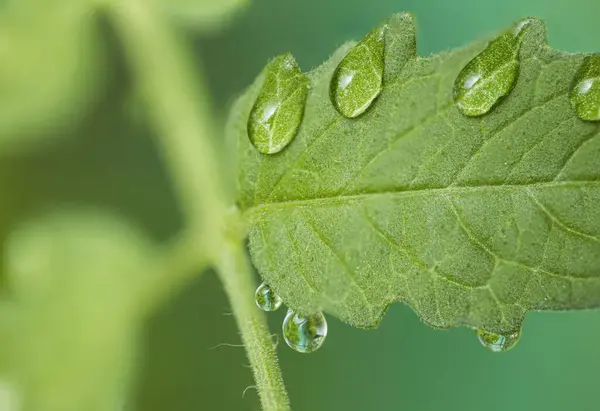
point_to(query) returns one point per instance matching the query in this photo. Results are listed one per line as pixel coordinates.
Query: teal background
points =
(109, 160)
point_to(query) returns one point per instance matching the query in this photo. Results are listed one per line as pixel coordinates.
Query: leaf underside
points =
(470, 221)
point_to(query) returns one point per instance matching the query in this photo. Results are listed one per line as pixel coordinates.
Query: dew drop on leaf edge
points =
(304, 334)
(266, 299)
(498, 342)
(357, 80)
(279, 107)
(492, 74)
(585, 94)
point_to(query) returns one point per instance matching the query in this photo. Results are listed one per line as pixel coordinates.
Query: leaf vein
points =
(558, 221)
(349, 272)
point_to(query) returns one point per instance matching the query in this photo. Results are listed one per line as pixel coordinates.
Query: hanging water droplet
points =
(357, 80)
(585, 95)
(492, 74)
(304, 334)
(498, 342)
(279, 107)
(267, 299)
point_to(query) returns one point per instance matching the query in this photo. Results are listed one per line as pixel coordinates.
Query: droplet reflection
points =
(585, 95)
(498, 342)
(357, 80)
(267, 299)
(492, 74)
(278, 110)
(304, 334)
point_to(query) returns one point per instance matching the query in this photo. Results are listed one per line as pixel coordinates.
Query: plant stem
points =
(178, 105)
(234, 271)
(174, 266)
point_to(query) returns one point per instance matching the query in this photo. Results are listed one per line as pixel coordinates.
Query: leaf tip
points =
(401, 25)
(534, 34)
(404, 16)
(401, 43)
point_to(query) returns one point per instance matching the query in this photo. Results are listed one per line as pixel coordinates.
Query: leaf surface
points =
(470, 221)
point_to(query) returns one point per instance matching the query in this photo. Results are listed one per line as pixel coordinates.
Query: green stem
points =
(178, 105)
(174, 266)
(234, 271)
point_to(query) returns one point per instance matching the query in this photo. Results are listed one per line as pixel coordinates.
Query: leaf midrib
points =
(255, 212)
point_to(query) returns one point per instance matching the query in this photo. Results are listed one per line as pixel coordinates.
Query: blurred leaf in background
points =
(72, 279)
(49, 73)
(75, 279)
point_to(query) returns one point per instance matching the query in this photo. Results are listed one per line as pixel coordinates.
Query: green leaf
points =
(75, 279)
(204, 14)
(48, 73)
(470, 221)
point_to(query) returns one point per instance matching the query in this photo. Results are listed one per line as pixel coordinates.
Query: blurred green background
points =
(108, 160)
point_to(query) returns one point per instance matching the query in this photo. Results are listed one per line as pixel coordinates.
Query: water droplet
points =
(279, 107)
(304, 334)
(357, 80)
(267, 299)
(492, 74)
(498, 342)
(585, 95)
